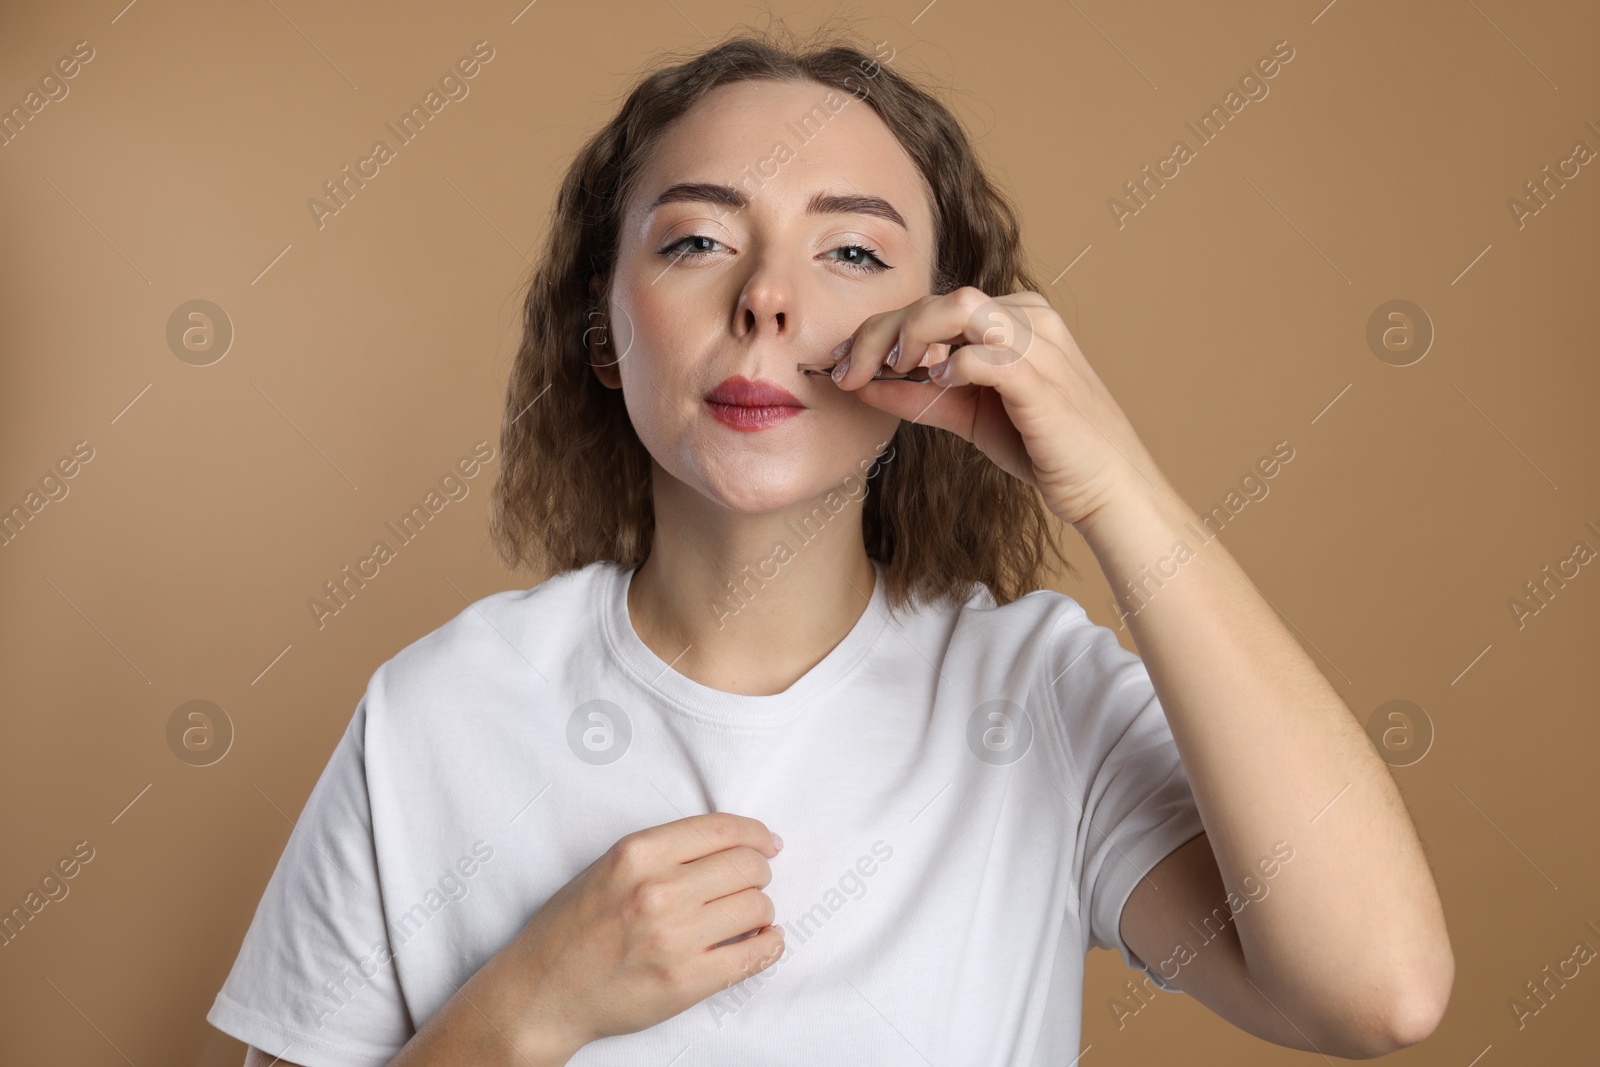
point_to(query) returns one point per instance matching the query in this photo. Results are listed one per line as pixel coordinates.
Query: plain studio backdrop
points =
(1381, 259)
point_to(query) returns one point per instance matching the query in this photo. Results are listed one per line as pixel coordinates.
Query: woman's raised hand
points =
(1006, 375)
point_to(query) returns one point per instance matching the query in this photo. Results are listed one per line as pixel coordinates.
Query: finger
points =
(690, 838)
(962, 317)
(728, 965)
(721, 873)
(868, 344)
(719, 922)
(996, 366)
(902, 339)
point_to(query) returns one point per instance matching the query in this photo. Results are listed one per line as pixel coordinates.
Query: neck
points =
(746, 603)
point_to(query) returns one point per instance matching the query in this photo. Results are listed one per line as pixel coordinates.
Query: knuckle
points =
(629, 859)
(722, 828)
(649, 899)
(970, 297)
(759, 870)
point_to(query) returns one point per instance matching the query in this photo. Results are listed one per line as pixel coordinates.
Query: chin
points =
(760, 486)
(757, 500)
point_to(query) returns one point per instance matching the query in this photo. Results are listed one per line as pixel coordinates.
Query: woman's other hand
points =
(643, 932)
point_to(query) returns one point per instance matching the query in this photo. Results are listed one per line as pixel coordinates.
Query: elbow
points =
(1411, 1012)
(1417, 1019)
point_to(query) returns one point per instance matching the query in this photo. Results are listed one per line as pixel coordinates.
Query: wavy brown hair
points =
(574, 483)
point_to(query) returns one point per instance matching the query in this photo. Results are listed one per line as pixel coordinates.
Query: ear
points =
(597, 339)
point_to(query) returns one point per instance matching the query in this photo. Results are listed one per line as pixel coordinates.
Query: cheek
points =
(660, 403)
(655, 343)
(661, 367)
(648, 410)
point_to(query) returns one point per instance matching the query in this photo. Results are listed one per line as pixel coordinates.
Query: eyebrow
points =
(819, 204)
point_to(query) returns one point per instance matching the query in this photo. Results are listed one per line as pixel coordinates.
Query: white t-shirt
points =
(966, 797)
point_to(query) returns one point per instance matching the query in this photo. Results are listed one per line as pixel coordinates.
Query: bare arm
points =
(1351, 943)
(1166, 922)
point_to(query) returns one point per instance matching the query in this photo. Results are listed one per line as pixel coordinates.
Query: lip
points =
(747, 406)
(739, 391)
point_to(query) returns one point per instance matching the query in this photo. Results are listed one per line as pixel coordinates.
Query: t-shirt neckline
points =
(689, 697)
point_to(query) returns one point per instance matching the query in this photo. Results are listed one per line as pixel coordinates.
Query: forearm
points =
(485, 1023)
(1352, 931)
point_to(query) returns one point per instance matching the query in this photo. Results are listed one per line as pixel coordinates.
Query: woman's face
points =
(747, 283)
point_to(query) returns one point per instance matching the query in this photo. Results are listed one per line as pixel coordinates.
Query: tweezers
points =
(915, 374)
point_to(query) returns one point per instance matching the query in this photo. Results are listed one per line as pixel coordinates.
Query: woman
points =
(805, 608)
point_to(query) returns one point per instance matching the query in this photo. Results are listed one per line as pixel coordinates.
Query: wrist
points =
(481, 1025)
(1142, 539)
(541, 1032)
(1131, 513)
(542, 1045)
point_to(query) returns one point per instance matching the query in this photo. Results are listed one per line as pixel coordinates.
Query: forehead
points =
(780, 142)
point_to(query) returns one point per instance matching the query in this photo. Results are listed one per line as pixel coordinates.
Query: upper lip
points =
(739, 391)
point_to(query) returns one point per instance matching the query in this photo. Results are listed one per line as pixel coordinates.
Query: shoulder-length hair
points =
(574, 483)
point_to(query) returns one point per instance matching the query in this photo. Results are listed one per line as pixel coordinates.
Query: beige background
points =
(1228, 314)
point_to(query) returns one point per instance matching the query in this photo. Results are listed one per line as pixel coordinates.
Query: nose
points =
(766, 303)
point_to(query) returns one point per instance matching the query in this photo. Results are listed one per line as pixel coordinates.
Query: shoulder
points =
(1076, 674)
(1070, 684)
(1043, 644)
(499, 644)
(1033, 624)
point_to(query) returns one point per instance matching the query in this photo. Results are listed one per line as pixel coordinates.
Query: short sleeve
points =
(314, 981)
(1130, 785)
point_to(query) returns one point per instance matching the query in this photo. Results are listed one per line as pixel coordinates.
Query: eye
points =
(872, 264)
(689, 252)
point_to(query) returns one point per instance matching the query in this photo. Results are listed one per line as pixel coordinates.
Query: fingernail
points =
(839, 371)
(843, 347)
(888, 361)
(777, 842)
(939, 370)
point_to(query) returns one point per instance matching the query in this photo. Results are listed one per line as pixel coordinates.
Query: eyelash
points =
(858, 267)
